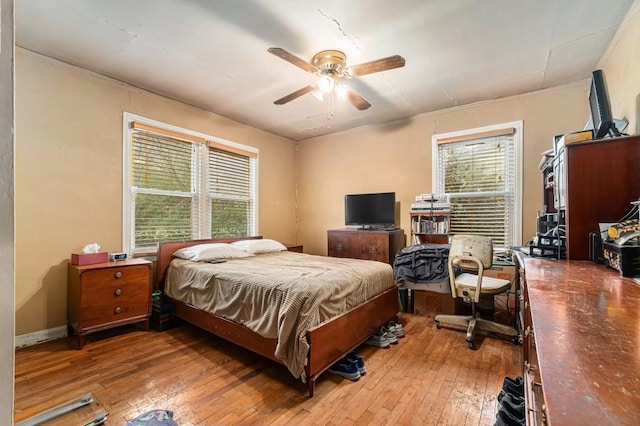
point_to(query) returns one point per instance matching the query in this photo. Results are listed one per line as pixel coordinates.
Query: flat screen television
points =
(370, 211)
(603, 123)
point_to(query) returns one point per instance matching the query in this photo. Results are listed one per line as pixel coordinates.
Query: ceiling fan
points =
(330, 67)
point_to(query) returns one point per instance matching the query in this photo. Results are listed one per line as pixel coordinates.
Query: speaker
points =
(596, 253)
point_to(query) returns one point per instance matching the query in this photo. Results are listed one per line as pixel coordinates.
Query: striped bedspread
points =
(279, 295)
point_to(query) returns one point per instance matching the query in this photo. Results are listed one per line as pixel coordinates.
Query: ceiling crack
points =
(352, 39)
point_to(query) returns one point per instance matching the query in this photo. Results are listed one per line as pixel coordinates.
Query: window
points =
(180, 184)
(481, 172)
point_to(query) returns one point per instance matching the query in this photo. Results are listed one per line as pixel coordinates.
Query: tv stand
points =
(367, 244)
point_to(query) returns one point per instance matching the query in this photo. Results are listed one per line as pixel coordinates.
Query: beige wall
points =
(621, 67)
(397, 157)
(69, 174)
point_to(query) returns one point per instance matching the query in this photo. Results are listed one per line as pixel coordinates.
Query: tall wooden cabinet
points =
(602, 177)
(365, 244)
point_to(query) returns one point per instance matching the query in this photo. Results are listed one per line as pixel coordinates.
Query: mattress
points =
(279, 295)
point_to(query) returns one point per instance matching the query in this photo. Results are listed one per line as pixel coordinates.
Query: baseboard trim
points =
(30, 339)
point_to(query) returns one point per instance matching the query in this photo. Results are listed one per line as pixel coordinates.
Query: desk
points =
(582, 343)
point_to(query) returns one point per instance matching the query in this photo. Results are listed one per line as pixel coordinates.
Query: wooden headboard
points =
(167, 248)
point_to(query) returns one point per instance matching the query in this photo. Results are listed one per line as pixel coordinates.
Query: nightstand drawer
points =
(99, 278)
(113, 302)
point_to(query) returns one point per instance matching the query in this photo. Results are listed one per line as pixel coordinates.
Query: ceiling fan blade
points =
(383, 64)
(296, 94)
(357, 100)
(290, 57)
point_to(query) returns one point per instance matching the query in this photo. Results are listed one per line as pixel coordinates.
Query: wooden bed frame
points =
(328, 341)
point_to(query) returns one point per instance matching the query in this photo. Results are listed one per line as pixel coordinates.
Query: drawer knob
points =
(117, 310)
(118, 292)
(373, 249)
(118, 275)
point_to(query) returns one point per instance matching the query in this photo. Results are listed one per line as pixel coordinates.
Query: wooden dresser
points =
(365, 244)
(106, 295)
(581, 347)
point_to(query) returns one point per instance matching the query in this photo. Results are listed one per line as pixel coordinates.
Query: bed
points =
(325, 338)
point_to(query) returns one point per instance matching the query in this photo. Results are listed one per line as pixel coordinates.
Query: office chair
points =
(473, 254)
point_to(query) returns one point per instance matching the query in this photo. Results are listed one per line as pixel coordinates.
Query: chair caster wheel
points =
(471, 345)
(438, 325)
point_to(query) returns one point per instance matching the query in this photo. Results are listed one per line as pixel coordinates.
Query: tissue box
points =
(80, 259)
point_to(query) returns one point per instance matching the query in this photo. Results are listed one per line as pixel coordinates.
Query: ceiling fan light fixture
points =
(330, 68)
(341, 91)
(326, 83)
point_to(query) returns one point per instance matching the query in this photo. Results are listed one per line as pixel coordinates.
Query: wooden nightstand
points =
(106, 295)
(294, 247)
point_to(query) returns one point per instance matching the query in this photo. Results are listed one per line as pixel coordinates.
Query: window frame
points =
(202, 143)
(468, 134)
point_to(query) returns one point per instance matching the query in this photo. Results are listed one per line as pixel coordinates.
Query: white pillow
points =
(203, 252)
(263, 245)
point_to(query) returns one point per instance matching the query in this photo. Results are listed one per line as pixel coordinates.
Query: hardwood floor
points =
(430, 377)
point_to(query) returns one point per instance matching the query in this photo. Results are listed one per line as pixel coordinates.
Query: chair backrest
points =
(478, 246)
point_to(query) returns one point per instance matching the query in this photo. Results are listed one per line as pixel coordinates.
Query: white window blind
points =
(164, 189)
(479, 173)
(231, 185)
(181, 185)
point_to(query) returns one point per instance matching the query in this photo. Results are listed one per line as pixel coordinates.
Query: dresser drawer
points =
(342, 244)
(373, 247)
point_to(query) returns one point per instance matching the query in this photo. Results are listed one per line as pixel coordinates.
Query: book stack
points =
(429, 226)
(431, 203)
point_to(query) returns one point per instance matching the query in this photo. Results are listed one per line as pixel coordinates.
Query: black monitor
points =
(601, 117)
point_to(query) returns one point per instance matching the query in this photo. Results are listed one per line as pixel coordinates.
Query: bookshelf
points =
(429, 226)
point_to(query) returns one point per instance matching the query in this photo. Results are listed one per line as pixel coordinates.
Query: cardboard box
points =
(503, 271)
(80, 259)
(432, 303)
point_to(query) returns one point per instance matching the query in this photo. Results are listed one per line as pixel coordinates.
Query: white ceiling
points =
(213, 54)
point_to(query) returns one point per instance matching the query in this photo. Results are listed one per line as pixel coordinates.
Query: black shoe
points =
(517, 399)
(514, 408)
(514, 389)
(503, 418)
(518, 382)
(509, 389)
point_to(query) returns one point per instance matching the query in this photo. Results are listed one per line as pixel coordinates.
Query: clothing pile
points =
(422, 263)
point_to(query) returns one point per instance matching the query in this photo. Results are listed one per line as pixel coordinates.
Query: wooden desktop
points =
(581, 346)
